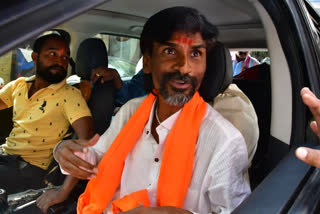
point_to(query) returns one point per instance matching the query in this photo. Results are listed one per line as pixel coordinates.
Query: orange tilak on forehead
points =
(184, 40)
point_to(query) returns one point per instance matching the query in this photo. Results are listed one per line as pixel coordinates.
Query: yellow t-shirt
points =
(41, 121)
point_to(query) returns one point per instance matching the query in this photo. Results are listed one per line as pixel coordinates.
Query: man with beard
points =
(169, 152)
(44, 106)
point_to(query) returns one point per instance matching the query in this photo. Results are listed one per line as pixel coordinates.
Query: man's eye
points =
(65, 58)
(169, 51)
(196, 53)
(52, 53)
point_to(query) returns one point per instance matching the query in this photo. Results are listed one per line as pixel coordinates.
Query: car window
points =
(16, 63)
(243, 59)
(313, 20)
(262, 55)
(6, 64)
(123, 53)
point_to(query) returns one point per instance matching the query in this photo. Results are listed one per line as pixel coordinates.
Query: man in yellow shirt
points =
(44, 106)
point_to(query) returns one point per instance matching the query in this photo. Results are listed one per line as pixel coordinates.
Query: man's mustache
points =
(176, 75)
(57, 67)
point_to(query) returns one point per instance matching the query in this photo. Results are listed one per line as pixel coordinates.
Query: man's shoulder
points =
(131, 106)
(218, 135)
(69, 90)
(20, 81)
(214, 121)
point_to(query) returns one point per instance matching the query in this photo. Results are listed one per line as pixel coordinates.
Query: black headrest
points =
(91, 54)
(218, 74)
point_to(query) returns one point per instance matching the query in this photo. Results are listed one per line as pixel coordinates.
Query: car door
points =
(292, 187)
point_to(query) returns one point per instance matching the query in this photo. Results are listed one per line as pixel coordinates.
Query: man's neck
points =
(165, 110)
(162, 112)
(38, 84)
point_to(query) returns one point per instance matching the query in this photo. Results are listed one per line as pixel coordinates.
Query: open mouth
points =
(180, 84)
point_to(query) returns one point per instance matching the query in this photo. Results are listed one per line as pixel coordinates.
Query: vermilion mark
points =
(184, 40)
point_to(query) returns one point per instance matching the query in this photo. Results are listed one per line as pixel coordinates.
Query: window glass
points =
(244, 59)
(123, 54)
(6, 64)
(16, 63)
(313, 19)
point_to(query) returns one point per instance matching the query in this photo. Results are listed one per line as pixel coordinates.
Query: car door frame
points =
(291, 186)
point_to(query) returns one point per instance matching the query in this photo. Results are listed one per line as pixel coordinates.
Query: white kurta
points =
(221, 159)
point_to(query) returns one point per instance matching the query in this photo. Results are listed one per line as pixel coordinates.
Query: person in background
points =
(44, 106)
(125, 91)
(243, 61)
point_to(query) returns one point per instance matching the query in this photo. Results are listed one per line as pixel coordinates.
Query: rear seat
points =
(255, 83)
(91, 54)
(228, 99)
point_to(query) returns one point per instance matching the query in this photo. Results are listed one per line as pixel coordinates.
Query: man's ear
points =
(34, 57)
(146, 64)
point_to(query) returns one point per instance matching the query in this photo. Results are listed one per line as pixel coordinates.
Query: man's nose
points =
(183, 64)
(60, 61)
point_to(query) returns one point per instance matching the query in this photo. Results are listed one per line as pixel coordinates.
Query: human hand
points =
(313, 103)
(51, 197)
(311, 156)
(156, 210)
(106, 74)
(66, 155)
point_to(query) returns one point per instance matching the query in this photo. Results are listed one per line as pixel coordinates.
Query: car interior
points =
(242, 25)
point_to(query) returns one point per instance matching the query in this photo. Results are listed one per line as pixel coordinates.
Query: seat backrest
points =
(218, 74)
(255, 83)
(91, 54)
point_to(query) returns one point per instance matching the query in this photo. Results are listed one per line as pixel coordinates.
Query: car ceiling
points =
(237, 20)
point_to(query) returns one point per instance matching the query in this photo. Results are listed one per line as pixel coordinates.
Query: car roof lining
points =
(238, 21)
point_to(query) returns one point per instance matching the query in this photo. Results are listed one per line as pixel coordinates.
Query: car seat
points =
(218, 75)
(91, 54)
(228, 99)
(255, 83)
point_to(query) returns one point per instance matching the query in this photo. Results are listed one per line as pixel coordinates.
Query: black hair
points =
(161, 26)
(38, 44)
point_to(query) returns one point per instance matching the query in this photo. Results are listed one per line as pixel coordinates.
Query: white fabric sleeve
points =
(227, 187)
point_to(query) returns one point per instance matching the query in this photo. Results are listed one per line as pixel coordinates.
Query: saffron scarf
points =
(176, 164)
